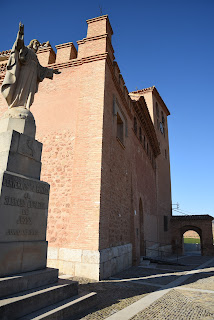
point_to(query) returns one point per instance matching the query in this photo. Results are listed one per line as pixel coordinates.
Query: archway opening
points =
(191, 243)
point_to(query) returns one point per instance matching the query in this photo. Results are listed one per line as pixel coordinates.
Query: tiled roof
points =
(153, 89)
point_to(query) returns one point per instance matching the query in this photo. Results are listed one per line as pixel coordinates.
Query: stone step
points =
(65, 309)
(21, 304)
(26, 281)
(145, 263)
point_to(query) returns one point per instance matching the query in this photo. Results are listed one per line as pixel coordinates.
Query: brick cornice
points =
(64, 45)
(71, 63)
(117, 85)
(102, 36)
(142, 112)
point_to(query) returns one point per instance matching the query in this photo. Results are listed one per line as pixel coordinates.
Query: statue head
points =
(34, 45)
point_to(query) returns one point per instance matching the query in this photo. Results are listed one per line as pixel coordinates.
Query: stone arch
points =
(202, 224)
(192, 228)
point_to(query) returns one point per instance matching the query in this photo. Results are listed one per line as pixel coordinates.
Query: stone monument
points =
(24, 198)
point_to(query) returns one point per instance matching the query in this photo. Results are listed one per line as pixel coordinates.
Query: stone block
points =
(129, 247)
(9, 141)
(25, 303)
(23, 165)
(107, 269)
(90, 256)
(17, 257)
(113, 266)
(125, 261)
(52, 253)
(26, 126)
(120, 263)
(30, 147)
(53, 263)
(23, 208)
(104, 255)
(120, 250)
(115, 251)
(67, 267)
(110, 254)
(67, 254)
(26, 281)
(130, 258)
(101, 270)
(87, 270)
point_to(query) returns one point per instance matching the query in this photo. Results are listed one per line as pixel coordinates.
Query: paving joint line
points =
(146, 301)
(194, 289)
(137, 281)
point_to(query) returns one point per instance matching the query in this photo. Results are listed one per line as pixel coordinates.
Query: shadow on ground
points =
(131, 285)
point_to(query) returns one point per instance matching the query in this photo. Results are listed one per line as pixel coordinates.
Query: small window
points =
(120, 128)
(165, 221)
(147, 148)
(140, 134)
(162, 117)
(165, 154)
(144, 142)
(135, 125)
(157, 109)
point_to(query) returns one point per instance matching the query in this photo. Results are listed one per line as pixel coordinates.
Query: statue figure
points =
(23, 73)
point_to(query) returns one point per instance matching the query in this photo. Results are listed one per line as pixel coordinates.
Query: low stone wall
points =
(114, 260)
(76, 262)
(159, 252)
(92, 264)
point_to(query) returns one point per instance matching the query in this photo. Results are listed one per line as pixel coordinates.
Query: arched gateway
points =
(202, 224)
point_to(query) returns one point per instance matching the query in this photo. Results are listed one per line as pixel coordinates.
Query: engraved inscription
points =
(24, 220)
(19, 232)
(17, 183)
(11, 201)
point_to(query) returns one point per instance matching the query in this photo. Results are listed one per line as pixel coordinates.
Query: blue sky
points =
(166, 43)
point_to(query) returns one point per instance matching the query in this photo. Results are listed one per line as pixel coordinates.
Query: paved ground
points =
(156, 292)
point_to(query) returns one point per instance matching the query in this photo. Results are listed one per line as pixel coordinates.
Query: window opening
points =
(120, 128)
(140, 134)
(157, 110)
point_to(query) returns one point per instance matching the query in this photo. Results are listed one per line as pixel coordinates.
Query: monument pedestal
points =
(23, 202)
(26, 285)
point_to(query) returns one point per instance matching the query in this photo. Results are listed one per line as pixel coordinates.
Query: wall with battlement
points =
(102, 171)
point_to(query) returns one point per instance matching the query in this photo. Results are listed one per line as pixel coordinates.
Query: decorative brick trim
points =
(141, 110)
(64, 45)
(104, 17)
(117, 85)
(71, 63)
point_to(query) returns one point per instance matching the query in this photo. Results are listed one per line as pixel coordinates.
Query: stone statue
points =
(23, 73)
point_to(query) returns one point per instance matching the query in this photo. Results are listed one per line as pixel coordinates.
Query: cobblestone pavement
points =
(183, 302)
(174, 305)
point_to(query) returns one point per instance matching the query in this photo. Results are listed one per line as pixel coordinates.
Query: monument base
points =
(42, 295)
(22, 256)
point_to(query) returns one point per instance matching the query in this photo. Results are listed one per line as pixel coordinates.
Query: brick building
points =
(105, 155)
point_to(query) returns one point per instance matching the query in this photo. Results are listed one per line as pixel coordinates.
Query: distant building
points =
(106, 157)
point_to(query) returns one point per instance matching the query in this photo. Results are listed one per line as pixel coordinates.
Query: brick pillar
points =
(98, 40)
(65, 52)
(46, 55)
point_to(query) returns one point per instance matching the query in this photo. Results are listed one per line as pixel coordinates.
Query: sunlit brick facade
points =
(105, 155)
